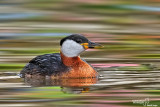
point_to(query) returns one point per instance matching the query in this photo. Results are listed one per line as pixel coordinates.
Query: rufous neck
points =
(69, 61)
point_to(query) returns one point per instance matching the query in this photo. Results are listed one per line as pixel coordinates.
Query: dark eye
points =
(79, 41)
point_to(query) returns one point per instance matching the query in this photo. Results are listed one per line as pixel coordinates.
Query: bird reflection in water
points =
(68, 85)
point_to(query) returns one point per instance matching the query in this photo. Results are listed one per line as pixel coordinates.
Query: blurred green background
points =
(129, 29)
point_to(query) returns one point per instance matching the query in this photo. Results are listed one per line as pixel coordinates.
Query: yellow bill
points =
(91, 45)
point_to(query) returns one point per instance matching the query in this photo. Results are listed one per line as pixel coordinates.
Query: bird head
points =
(73, 45)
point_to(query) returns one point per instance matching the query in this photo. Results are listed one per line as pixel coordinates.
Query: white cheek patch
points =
(71, 48)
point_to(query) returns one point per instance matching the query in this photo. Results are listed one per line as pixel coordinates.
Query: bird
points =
(67, 63)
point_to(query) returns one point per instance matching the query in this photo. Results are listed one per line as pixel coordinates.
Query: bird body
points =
(66, 64)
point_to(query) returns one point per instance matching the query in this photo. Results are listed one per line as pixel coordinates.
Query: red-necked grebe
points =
(67, 63)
